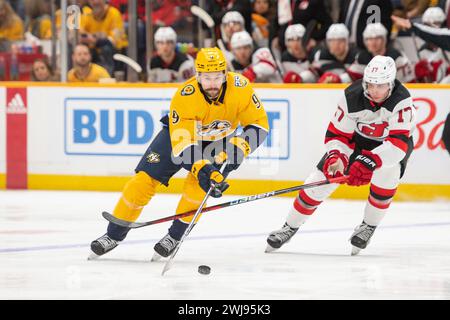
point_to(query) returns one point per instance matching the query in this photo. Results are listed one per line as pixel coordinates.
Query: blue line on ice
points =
(132, 242)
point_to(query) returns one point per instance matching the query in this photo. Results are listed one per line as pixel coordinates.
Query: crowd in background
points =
(298, 41)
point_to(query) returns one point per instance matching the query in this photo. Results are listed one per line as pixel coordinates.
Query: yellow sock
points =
(191, 198)
(135, 195)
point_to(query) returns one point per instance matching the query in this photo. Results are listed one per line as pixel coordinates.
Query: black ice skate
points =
(361, 237)
(164, 247)
(279, 237)
(101, 246)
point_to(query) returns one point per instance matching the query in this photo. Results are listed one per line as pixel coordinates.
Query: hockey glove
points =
(237, 150)
(423, 71)
(335, 164)
(361, 170)
(250, 74)
(292, 77)
(209, 176)
(329, 77)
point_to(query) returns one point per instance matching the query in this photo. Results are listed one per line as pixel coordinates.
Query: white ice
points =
(45, 236)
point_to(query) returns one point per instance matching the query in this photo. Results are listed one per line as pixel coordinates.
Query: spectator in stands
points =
(331, 63)
(295, 60)
(11, 25)
(169, 65)
(103, 31)
(84, 70)
(232, 22)
(411, 8)
(438, 36)
(39, 22)
(303, 12)
(375, 40)
(218, 8)
(263, 14)
(356, 14)
(43, 71)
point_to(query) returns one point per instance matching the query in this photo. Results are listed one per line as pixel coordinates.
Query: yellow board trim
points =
(406, 192)
(2, 181)
(19, 84)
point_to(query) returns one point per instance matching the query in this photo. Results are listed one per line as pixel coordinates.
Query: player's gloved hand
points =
(250, 74)
(329, 77)
(208, 176)
(423, 70)
(237, 150)
(335, 164)
(292, 77)
(361, 170)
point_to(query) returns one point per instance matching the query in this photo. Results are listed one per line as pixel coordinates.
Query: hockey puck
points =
(204, 269)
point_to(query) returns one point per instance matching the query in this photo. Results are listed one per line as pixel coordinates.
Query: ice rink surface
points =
(45, 236)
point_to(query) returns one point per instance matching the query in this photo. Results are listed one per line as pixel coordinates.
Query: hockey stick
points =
(310, 27)
(224, 50)
(128, 61)
(191, 225)
(136, 225)
(206, 18)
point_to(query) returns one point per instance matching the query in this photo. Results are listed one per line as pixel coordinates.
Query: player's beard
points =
(212, 93)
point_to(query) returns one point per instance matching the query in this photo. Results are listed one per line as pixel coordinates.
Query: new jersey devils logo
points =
(373, 130)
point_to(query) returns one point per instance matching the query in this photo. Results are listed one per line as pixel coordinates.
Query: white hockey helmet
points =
(294, 31)
(434, 16)
(374, 30)
(233, 16)
(164, 34)
(337, 31)
(380, 70)
(241, 39)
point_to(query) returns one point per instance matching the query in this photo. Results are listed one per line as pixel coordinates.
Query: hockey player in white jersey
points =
(433, 66)
(257, 66)
(169, 65)
(376, 42)
(369, 140)
(295, 60)
(331, 63)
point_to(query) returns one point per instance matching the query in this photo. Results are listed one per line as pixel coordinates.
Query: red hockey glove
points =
(423, 70)
(335, 164)
(329, 77)
(249, 74)
(292, 77)
(361, 170)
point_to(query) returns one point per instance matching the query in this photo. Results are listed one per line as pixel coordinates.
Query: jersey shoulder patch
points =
(187, 90)
(239, 81)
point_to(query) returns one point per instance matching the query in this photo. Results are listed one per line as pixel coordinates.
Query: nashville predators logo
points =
(215, 128)
(188, 90)
(239, 82)
(153, 158)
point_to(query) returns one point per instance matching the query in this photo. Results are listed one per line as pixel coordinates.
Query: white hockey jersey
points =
(385, 129)
(263, 68)
(438, 61)
(300, 67)
(179, 70)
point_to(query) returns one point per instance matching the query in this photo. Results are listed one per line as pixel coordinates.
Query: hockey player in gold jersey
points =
(198, 134)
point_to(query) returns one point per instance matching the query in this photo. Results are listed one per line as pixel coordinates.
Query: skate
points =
(164, 247)
(279, 237)
(101, 246)
(361, 237)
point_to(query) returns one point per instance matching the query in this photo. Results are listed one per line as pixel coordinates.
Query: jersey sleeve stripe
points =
(399, 142)
(336, 131)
